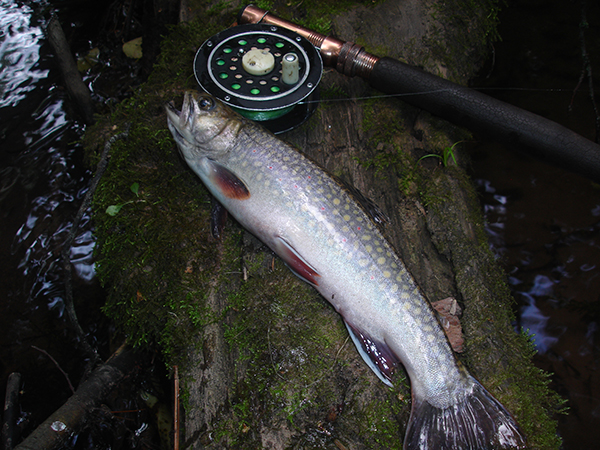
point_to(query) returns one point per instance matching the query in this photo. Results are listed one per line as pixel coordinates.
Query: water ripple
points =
(20, 42)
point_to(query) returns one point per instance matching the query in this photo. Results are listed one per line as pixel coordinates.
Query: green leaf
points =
(135, 188)
(113, 210)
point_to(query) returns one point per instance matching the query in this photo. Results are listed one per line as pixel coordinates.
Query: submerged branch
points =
(66, 249)
(72, 415)
(73, 82)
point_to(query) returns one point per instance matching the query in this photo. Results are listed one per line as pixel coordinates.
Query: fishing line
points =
(434, 91)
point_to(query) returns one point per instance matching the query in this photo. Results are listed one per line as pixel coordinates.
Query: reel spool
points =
(263, 72)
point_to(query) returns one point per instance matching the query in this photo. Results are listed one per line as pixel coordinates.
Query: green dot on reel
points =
(220, 62)
(242, 42)
(279, 44)
(261, 40)
(255, 91)
(236, 86)
(227, 50)
(223, 76)
(275, 89)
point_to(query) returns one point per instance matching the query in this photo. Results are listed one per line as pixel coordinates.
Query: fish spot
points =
(346, 217)
(406, 306)
(394, 288)
(369, 248)
(345, 229)
(363, 262)
(381, 260)
(430, 337)
(387, 273)
(336, 201)
(379, 250)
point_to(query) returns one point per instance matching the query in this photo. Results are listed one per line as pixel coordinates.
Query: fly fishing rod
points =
(460, 105)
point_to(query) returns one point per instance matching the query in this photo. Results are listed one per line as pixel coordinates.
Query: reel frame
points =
(266, 98)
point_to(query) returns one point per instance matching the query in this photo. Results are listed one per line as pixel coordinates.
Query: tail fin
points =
(478, 422)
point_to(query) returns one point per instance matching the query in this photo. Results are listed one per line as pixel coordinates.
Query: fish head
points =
(204, 127)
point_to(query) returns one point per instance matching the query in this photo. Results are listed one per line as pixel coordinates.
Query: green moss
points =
(461, 53)
(316, 15)
(148, 251)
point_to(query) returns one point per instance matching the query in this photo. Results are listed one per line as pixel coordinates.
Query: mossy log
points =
(265, 361)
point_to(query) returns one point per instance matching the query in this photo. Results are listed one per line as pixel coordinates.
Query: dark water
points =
(42, 183)
(543, 222)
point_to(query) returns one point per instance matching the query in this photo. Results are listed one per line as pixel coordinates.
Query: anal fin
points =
(378, 356)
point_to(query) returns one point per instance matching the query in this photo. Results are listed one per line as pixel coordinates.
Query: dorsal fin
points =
(368, 205)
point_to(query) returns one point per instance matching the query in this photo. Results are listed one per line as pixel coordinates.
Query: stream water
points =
(544, 223)
(42, 183)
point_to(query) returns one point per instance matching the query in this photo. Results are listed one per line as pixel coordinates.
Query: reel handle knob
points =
(290, 68)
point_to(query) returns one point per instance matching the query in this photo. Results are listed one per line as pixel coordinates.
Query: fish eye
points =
(206, 103)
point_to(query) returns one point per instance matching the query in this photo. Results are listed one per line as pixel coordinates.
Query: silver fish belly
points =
(324, 235)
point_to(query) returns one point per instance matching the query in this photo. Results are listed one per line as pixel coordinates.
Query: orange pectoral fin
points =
(228, 182)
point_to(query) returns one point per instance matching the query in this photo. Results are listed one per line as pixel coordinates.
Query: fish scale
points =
(323, 233)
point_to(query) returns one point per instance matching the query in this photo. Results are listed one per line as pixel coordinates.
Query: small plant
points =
(447, 153)
(113, 210)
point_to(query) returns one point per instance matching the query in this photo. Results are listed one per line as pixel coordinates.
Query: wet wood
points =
(11, 410)
(70, 417)
(68, 67)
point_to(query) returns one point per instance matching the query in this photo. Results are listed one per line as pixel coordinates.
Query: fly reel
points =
(262, 71)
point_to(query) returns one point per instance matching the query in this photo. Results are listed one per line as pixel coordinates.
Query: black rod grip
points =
(478, 112)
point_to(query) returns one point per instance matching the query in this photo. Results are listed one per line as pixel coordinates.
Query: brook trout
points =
(327, 238)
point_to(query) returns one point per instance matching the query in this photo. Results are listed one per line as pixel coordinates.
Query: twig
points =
(57, 366)
(176, 408)
(586, 70)
(66, 249)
